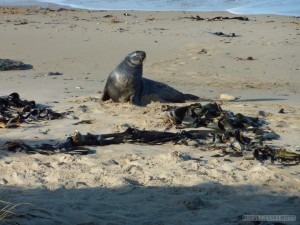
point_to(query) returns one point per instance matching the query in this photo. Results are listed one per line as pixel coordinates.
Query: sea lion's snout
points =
(137, 57)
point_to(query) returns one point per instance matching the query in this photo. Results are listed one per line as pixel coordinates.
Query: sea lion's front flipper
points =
(136, 100)
(105, 96)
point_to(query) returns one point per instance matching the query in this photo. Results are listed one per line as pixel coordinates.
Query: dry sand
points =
(133, 184)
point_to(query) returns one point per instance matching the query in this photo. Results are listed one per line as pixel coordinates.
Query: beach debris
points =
(44, 149)
(240, 144)
(217, 18)
(281, 111)
(44, 132)
(159, 28)
(84, 122)
(227, 97)
(83, 108)
(211, 115)
(236, 135)
(53, 74)
(221, 34)
(116, 20)
(9, 64)
(245, 134)
(262, 113)
(21, 23)
(283, 155)
(150, 19)
(277, 153)
(113, 19)
(14, 111)
(122, 29)
(202, 51)
(294, 22)
(233, 134)
(249, 58)
(75, 143)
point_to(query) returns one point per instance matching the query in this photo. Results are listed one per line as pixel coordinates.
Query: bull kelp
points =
(234, 134)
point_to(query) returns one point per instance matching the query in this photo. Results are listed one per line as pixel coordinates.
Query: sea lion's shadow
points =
(261, 99)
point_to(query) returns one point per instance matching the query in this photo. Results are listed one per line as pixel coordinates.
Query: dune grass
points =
(7, 209)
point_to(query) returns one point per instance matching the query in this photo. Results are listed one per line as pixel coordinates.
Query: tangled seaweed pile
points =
(9, 64)
(237, 135)
(14, 111)
(245, 135)
(234, 134)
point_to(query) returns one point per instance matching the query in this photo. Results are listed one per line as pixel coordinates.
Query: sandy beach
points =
(144, 184)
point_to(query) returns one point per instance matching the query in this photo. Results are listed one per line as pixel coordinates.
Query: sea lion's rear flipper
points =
(190, 97)
(161, 92)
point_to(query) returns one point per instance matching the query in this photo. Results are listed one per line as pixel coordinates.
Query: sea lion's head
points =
(136, 58)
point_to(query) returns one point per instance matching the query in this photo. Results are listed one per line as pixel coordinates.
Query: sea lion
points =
(125, 83)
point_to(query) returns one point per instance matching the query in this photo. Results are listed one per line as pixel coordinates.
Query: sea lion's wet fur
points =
(125, 83)
(161, 91)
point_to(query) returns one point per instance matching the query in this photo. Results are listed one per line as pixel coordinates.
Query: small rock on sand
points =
(227, 97)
